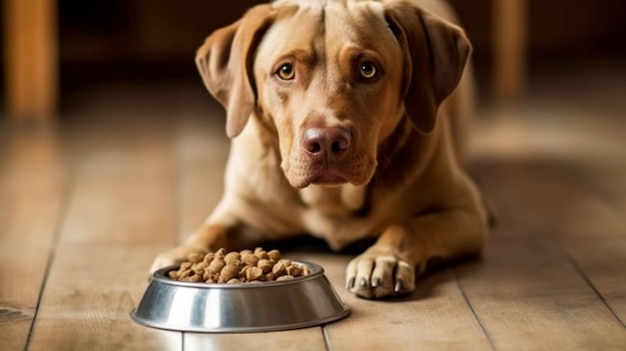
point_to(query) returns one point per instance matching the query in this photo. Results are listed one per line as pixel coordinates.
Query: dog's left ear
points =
(225, 64)
(435, 53)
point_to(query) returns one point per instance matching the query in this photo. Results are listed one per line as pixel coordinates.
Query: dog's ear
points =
(225, 62)
(435, 53)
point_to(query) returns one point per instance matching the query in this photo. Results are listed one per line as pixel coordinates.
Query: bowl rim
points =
(160, 276)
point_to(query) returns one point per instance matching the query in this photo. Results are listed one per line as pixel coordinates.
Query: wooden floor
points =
(86, 205)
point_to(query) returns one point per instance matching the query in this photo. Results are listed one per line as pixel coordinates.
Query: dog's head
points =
(331, 80)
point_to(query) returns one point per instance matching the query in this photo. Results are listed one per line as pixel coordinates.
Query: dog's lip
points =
(331, 175)
(328, 179)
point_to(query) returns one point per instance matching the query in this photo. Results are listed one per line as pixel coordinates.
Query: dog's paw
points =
(379, 275)
(174, 256)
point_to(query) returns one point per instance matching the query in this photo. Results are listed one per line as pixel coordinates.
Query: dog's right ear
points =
(225, 64)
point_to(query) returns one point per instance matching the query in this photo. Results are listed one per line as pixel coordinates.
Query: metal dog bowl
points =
(247, 307)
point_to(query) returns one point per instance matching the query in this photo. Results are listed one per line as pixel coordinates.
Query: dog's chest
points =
(331, 213)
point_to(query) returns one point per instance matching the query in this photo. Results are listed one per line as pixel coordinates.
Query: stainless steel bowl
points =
(247, 307)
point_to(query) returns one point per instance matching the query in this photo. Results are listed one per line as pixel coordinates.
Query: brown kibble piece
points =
(232, 257)
(209, 257)
(227, 273)
(216, 265)
(254, 273)
(220, 253)
(260, 253)
(193, 278)
(280, 268)
(294, 270)
(199, 267)
(250, 259)
(265, 265)
(274, 255)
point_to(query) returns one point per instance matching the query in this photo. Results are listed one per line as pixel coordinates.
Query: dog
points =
(346, 120)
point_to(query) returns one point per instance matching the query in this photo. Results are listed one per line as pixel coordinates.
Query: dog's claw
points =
(375, 282)
(362, 282)
(350, 284)
(398, 286)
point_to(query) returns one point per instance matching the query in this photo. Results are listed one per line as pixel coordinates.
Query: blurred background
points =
(51, 48)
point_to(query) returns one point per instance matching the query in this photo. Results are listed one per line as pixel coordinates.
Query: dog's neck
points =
(341, 200)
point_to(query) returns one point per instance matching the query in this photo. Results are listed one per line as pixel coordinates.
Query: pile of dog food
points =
(245, 266)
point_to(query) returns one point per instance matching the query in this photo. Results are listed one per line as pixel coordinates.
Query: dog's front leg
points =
(389, 267)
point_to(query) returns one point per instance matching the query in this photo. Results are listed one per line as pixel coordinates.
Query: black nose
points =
(330, 143)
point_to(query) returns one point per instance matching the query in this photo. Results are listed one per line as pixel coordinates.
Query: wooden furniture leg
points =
(30, 58)
(509, 48)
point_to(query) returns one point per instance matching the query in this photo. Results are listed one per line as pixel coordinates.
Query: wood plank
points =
(529, 297)
(544, 195)
(90, 293)
(202, 150)
(33, 180)
(120, 215)
(529, 294)
(435, 317)
(602, 262)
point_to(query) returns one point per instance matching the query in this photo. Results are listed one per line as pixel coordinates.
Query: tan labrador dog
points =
(345, 118)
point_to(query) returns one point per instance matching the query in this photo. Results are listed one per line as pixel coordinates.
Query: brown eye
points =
(286, 72)
(368, 70)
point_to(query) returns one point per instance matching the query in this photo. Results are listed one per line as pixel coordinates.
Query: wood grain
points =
(435, 317)
(120, 216)
(33, 180)
(531, 294)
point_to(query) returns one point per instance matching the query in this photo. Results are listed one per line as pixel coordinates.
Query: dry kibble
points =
(195, 278)
(237, 267)
(254, 273)
(294, 271)
(265, 265)
(250, 259)
(199, 267)
(220, 253)
(280, 268)
(209, 257)
(274, 255)
(232, 257)
(230, 271)
(216, 265)
(260, 253)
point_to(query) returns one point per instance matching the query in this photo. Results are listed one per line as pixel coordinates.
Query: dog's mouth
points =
(328, 177)
(330, 174)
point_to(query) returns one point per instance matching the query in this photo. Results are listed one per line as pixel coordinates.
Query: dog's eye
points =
(367, 70)
(286, 72)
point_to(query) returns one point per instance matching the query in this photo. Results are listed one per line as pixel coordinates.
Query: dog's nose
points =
(330, 143)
